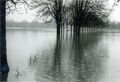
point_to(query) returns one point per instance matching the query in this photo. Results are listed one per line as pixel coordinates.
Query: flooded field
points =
(38, 56)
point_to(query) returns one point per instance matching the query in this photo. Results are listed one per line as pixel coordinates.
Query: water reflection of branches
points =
(56, 70)
(87, 66)
(77, 58)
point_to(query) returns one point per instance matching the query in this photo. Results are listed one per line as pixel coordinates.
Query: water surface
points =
(38, 56)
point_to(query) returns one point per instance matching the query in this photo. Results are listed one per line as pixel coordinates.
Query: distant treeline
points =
(115, 25)
(27, 24)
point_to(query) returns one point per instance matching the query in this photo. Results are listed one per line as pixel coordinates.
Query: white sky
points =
(115, 15)
(30, 16)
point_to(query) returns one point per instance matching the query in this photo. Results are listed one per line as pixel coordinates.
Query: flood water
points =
(38, 56)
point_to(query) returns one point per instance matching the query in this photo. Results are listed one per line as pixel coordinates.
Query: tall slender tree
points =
(3, 55)
(4, 6)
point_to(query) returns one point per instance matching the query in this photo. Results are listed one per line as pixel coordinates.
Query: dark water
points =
(38, 56)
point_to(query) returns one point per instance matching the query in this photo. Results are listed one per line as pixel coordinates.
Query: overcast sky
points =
(30, 16)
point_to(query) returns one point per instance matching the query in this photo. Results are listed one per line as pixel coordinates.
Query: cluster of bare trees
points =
(74, 13)
(88, 13)
(66, 13)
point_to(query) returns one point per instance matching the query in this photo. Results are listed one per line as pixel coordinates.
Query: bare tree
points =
(49, 10)
(3, 57)
(10, 6)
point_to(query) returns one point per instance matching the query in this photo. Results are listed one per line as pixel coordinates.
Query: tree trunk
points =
(58, 29)
(4, 69)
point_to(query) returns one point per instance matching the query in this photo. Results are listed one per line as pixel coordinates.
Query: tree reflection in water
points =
(56, 67)
(77, 59)
(87, 58)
